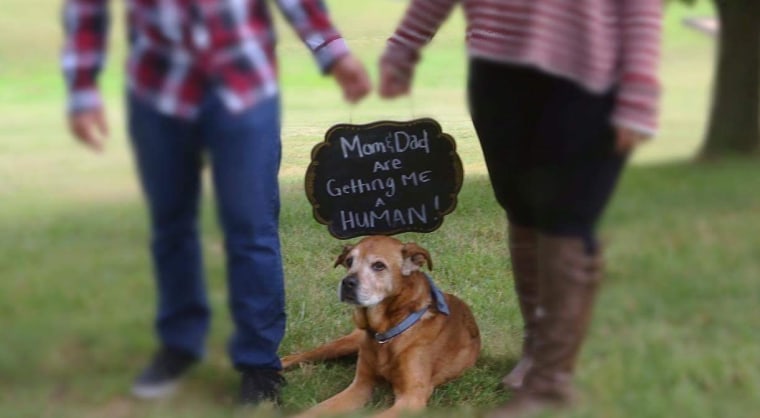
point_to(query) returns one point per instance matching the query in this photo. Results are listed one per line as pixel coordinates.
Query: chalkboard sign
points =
(384, 178)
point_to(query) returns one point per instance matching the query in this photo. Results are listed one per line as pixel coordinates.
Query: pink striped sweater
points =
(598, 44)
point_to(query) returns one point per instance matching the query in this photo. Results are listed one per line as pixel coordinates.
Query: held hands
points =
(350, 74)
(90, 128)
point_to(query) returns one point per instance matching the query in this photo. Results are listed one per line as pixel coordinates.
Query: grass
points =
(675, 330)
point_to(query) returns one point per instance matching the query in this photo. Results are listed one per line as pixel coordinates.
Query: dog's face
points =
(376, 267)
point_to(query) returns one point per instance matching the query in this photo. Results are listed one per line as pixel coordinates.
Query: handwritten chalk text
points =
(394, 143)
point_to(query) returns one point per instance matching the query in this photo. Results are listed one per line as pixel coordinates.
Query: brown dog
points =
(408, 332)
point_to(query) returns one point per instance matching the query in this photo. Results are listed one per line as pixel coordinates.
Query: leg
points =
(579, 171)
(343, 346)
(505, 106)
(523, 251)
(409, 402)
(570, 278)
(352, 398)
(575, 175)
(168, 160)
(245, 155)
(576, 168)
(413, 388)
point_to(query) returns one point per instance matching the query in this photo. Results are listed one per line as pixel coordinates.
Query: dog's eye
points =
(378, 266)
(349, 261)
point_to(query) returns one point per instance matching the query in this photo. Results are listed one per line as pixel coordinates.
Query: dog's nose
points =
(348, 288)
(350, 283)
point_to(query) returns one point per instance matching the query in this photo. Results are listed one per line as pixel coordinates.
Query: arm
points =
(419, 25)
(635, 114)
(312, 23)
(85, 24)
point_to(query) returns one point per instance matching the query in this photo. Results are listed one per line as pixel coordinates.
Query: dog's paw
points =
(290, 361)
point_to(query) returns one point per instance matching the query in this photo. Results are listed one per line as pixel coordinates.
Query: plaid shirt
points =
(179, 48)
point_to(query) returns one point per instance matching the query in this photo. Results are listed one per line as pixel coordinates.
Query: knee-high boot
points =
(569, 276)
(523, 250)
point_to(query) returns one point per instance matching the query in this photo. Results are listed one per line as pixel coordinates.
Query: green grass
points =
(676, 325)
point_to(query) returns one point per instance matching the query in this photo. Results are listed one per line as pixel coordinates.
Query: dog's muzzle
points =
(348, 287)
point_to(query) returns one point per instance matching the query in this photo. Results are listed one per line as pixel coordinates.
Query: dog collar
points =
(440, 303)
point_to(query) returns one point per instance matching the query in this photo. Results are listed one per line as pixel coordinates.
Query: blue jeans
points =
(244, 153)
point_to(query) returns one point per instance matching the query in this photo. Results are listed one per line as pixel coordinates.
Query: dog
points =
(408, 332)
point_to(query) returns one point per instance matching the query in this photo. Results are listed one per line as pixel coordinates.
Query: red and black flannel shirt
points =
(179, 48)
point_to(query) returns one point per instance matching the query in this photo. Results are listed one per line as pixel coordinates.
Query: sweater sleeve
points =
(639, 90)
(418, 26)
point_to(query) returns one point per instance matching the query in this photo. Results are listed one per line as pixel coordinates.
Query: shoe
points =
(161, 378)
(258, 385)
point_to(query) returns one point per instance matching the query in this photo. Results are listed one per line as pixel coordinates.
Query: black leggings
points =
(548, 145)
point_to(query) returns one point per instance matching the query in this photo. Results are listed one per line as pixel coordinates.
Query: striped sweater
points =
(599, 44)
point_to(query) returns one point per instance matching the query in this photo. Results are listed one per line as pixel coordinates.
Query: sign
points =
(384, 178)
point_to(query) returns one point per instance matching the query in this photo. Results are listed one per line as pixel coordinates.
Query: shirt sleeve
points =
(418, 26)
(85, 24)
(639, 90)
(311, 21)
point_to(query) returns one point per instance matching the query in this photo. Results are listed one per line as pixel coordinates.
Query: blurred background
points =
(676, 329)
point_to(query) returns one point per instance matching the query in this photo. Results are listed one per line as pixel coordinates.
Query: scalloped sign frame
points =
(384, 178)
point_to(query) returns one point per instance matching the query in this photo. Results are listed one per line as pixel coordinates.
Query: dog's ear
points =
(342, 257)
(414, 258)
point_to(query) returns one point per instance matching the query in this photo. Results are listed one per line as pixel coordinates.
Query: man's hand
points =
(627, 139)
(350, 74)
(90, 128)
(393, 81)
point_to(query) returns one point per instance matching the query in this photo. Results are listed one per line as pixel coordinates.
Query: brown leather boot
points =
(569, 279)
(523, 250)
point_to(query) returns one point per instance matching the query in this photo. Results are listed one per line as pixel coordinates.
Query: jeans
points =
(244, 152)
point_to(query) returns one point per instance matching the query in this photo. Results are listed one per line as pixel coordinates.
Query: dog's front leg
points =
(343, 346)
(412, 387)
(352, 398)
(411, 401)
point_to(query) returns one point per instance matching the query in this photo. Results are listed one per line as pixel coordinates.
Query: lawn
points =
(676, 325)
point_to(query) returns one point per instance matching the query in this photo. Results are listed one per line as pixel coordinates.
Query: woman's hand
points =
(628, 139)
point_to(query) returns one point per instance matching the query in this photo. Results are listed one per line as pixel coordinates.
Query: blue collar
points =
(440, 303)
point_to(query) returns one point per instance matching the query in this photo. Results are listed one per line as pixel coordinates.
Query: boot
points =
(523, 248)
(569, 277)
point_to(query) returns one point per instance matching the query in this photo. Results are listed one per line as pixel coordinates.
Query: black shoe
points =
(161, 378)
(257, 385)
